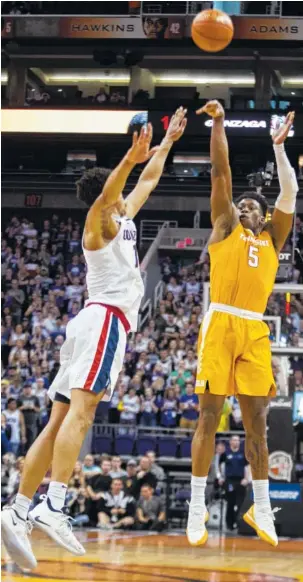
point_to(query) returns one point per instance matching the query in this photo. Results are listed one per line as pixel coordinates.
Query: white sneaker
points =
(263, 523)
(196, 531)
(15, 531)
(56, 525)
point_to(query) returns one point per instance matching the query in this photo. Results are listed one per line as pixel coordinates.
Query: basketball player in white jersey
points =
(92, 355)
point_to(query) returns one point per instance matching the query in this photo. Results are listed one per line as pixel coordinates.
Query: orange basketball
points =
(212, 30)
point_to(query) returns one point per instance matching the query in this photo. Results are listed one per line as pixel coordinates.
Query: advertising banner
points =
(112, 121)
(74, 121)
(152, 27)
(257, 28)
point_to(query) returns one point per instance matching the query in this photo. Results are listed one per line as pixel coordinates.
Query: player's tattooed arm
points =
(221, 179)
(152, 173)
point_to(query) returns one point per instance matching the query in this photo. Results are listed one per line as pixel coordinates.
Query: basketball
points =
(212, 30)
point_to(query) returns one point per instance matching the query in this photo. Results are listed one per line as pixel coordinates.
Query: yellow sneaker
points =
(196, 531)
(263, 523)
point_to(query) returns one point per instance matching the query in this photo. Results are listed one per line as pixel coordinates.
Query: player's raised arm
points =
(221, 193)
(137, 154)
(153, 171)
(282, 217)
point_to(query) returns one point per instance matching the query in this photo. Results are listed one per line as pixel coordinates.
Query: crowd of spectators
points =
(100, 493)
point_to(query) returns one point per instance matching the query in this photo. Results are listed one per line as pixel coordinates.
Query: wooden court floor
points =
(136, 557)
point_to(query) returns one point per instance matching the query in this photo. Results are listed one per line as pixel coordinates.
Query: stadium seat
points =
(185, 447)
(102, 444)
(124, 445)
(167, 447)
(146, 443)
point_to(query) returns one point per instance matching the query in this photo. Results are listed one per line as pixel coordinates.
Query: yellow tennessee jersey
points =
(243, 269)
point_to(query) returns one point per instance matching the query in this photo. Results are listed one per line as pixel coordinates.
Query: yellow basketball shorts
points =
(234, 356)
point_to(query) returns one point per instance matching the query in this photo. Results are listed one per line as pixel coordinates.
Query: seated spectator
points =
(76, 492)
(116, 509)
(96, 486)
(145, 475)
(89, 467)
(150, 514)
(130, 480)
(101, 96)
(154, 468)
(15, 420)
(116, 472)
(189, 406)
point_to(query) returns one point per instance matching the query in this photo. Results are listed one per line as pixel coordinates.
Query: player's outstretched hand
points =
(177, 125)
(281, 132)
(140, 152)
(213, 109)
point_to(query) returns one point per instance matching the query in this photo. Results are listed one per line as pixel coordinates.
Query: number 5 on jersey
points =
(253, 260)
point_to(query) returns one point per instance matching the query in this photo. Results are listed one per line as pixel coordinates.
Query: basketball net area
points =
(280, 345)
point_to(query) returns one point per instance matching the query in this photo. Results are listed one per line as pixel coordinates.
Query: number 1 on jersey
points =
(136, 257)
(253, 260)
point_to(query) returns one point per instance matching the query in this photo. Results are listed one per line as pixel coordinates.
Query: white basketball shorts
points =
(92, 355)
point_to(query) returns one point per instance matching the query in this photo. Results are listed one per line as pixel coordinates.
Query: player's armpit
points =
(280, 227)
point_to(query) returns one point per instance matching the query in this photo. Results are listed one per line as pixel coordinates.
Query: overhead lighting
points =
(292, 81)
(4, 77)
(75, 78)
(248, 80)
(292, 93)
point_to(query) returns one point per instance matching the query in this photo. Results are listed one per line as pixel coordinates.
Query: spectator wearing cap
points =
(30, 407)
(15, 420)
(189, 406)
(130, 480)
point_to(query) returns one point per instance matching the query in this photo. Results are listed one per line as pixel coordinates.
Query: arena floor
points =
(135, 557)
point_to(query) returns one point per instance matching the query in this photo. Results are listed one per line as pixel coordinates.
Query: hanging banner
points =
(151, 27)
(154, 27)
(256, 28)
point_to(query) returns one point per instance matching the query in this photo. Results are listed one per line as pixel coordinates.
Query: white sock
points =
(21, 505)
(56, 495)
(261, 493)
(198, 485)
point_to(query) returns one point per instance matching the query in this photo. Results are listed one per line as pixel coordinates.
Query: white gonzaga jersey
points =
(113, 273)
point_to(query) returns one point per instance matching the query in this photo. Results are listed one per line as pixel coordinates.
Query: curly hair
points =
(255, 196)
(90, 185)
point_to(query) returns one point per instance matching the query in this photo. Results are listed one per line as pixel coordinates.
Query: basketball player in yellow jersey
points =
(233, 349)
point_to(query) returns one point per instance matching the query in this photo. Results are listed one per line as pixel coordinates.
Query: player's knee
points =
(208, 420)
(84, 418)
(255, 424)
